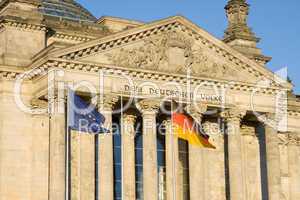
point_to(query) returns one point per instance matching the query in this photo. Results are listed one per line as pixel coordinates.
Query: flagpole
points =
(122, 150)
(67, 148)
(173, 154)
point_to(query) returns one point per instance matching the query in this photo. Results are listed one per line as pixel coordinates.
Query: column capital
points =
(293, 139)
(196, 111)
(234, 114)
(248, 131)
(129, 119)
(107, 101)
(148, 106)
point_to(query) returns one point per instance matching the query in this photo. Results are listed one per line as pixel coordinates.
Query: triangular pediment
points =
(171, 45)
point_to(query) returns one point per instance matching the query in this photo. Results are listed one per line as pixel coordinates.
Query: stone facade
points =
(44, 52)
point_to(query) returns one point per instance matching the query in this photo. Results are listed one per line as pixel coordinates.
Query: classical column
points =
(172, 163)
(149, 109)
(214, 163)
(273, 160)
(250, 146)
(196, 158)
(235, 154)
(128, 160)
(105, 153)
(294, 165)
(57, 183)
(87, 166)
(82, 166)
(75, 166)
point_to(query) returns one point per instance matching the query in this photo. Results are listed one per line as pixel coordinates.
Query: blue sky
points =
(276, 22)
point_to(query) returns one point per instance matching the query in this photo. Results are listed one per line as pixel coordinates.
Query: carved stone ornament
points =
(289, 139)
(171, 52)
(294, 139)
(234, 114)
(202, 65)
(153, 54)
(129, 119)
(283, 139)
(108, 102)
(248, 131)
(196, 111)
(148, 105)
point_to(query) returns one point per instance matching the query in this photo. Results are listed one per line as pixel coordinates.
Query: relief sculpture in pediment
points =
(172, 53)
(155, 53)
(203, 65)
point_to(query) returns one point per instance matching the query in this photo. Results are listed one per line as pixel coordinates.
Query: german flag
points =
(186, 128)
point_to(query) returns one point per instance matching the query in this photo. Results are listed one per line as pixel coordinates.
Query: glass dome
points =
(68, 9)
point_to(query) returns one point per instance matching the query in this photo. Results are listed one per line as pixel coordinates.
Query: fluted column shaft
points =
(57, 183)
(235, 155)
(273, 162)
(105, 151)
(149, 109)
(128, 159)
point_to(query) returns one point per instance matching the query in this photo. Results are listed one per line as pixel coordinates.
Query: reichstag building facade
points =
(132, 72)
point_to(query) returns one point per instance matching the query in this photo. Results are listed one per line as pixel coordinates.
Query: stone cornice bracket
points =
(233, 115)
(148, 106)
(107, 101)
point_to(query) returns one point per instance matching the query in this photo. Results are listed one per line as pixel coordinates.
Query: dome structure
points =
(68, 9)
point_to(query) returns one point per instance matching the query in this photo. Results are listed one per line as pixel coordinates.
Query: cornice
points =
(72, 37)
(22, 25)
(8, 75)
